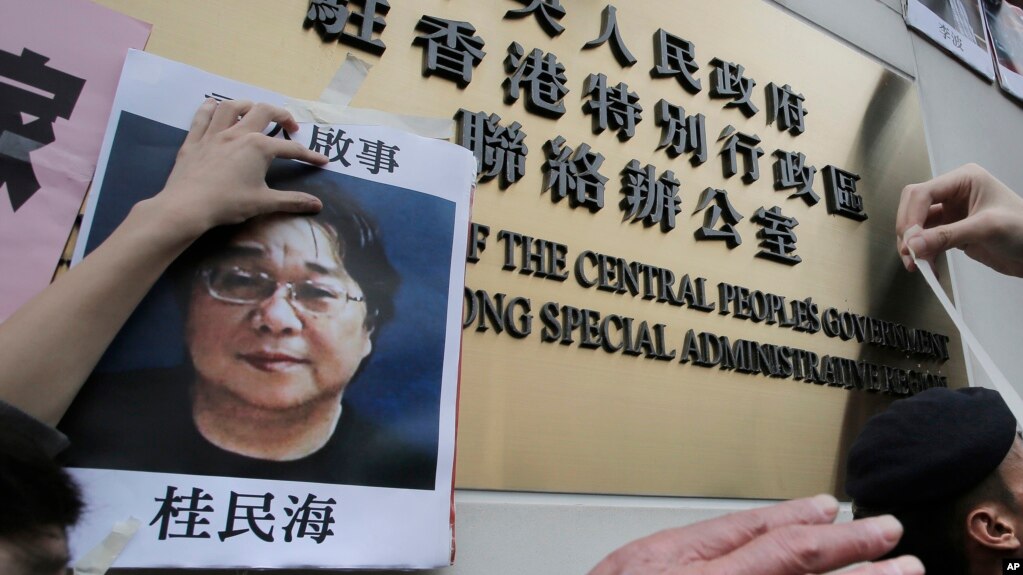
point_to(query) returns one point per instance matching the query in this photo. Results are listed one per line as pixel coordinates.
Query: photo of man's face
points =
(286, 347)
(275, 323)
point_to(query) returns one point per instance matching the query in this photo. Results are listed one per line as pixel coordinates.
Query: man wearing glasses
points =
(280, 314)
(279, 320)
(52, 344)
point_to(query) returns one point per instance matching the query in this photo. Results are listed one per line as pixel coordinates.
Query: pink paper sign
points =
(60, 61)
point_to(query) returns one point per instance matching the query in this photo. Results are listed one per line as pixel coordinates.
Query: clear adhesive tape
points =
(101, 557)
(346, 82)
(998, 379)
(333, 106)
(306, 111)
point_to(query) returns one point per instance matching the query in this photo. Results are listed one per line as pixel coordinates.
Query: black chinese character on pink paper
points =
(451, 49)
(548, 13)
(364, 17)
(739, 143)
(681, 134)
(330, 142)
(786, 106)
(718, 208)
(574, 176)
(32, 97)
(674, 56)
(648, 198)
(616, 108)
(840, 191)
(499, 150)
(791, 171)
(609, 33)
(777, 240)
(542, 76)
(311, 519)
(250, 515)
(183, 513)
(377, 156)
(727, 81)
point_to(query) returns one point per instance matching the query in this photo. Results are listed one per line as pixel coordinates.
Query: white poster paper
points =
(957, 26)
(146, 437)
(1005, 28)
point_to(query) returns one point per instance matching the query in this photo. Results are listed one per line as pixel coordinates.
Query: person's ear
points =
(992, 527)
(368, 340)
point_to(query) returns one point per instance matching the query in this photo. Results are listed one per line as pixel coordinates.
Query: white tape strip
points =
(56, 158)
(99, 560)
(18, 147)
(1002, 385)
(332, 108)
(346, 82)
(306, 111)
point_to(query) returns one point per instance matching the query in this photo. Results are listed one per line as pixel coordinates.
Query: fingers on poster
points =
(373, 286)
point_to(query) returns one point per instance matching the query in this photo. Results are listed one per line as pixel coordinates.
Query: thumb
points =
(292, 202)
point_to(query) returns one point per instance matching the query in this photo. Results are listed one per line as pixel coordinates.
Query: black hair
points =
(935, 532)
(38, 499)
(359, 242)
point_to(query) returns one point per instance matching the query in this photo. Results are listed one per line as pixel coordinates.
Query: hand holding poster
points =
(285, 396)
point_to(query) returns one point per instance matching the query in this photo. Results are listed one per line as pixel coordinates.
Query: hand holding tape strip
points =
(1002, 385)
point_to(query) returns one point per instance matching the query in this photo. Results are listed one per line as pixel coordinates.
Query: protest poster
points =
(956, 26)
(1005, 28)
(55, 96)
(148, 430)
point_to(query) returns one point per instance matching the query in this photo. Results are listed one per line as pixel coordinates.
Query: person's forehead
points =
(300, 239)
(281, 228)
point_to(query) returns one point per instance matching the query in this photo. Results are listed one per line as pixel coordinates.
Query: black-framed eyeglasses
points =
(238, 285)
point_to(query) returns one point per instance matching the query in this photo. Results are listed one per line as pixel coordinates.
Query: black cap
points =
(933, 446)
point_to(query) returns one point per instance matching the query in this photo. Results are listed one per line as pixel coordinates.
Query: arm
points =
(50, 345)
(967, 208)
(790, 538)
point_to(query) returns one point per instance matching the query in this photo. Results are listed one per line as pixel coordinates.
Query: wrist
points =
(163, 226)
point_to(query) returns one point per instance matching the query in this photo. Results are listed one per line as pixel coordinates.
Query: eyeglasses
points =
(242, 286)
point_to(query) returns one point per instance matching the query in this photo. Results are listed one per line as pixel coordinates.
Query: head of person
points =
(38, 502)
(282, 310)
(949, 465)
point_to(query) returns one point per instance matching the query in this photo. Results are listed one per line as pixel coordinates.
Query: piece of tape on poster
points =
(307, 111)
(18, 147)
(346, 82)
(333, 106)
(1002, 385)
(101, 557)
(56, 158)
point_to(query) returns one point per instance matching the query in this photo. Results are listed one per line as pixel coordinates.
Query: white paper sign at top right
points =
(956, 26)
